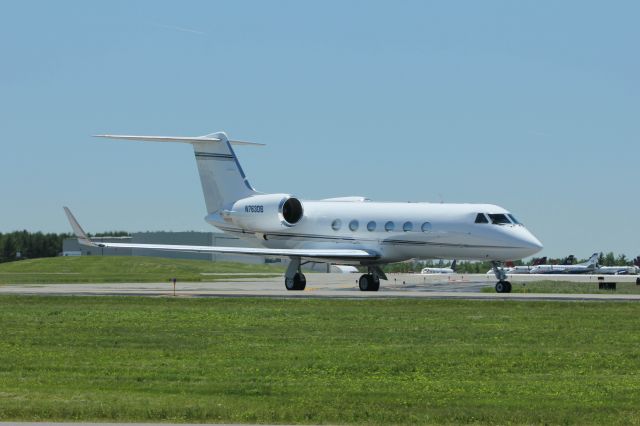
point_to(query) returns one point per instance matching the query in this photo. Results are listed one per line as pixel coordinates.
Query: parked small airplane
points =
(617, 270)
(582, 268)
(514, 270)
(433, 270)
(519, 269)
(345, 230)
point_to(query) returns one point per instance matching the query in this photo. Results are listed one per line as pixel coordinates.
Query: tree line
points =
(30, 245)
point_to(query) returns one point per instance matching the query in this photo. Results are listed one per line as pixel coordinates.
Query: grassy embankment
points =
(568, 287)
(319, 361)
(113, 269)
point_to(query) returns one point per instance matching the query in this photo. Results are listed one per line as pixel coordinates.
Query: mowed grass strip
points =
(319, 361)
(568, 287)
(114, 269)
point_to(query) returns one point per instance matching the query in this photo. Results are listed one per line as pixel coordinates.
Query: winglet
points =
(77, 229)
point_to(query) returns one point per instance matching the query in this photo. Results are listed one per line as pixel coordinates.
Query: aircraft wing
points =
(306, 253)
(334, 254)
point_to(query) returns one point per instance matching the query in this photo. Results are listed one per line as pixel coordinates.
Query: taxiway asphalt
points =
(318, 286)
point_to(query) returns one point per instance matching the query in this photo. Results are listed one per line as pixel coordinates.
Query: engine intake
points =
(291, 211)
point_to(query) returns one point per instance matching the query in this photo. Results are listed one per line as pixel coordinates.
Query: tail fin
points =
(453, 265)
(592, 261)
(222, 178)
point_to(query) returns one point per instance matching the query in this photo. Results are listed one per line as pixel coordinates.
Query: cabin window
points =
(426, 227)
(408, 226)
(353, 225)
(336, 224)
(499, 219)
(389, 226)
(513, 219)
(371, 226)
(481, 218)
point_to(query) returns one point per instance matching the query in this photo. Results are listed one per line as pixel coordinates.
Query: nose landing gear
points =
(502, 286)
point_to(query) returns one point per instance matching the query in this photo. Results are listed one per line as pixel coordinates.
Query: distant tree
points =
(30, 245)
(402, 267)
(111, 234)
(609, 259)
(601, 259)
(473, 267)
(9, 248)
(622, 260)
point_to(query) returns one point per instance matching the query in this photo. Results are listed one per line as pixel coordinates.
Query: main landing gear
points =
(294, 279)
(502, 286)
(371, 281)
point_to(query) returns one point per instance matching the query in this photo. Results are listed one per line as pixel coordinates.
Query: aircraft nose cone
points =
(530, 242)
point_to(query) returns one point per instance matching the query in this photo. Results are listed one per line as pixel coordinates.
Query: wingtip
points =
(77, 229)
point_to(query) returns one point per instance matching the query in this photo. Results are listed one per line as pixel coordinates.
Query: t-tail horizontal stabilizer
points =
(184, 139)
(223, 180)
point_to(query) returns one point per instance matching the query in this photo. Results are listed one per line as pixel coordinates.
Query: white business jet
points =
(581, 268)
(617, 270)
(431, 270)
(347, 230)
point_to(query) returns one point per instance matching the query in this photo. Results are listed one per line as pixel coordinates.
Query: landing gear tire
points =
(369, 282)
(297, 282)
(503, 287)
(375, 283)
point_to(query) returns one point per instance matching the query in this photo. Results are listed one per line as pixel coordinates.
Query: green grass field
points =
(319, 361)
(548, 286)
(115, 269)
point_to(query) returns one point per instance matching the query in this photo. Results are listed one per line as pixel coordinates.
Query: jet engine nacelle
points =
(266, 213)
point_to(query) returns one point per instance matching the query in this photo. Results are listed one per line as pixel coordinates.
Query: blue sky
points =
(534, 106)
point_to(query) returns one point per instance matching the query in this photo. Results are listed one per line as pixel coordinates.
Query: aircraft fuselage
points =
(396, 231)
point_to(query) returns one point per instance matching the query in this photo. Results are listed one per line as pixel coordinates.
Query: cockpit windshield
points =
(481, 218)
(499, 219)
(514, 220)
